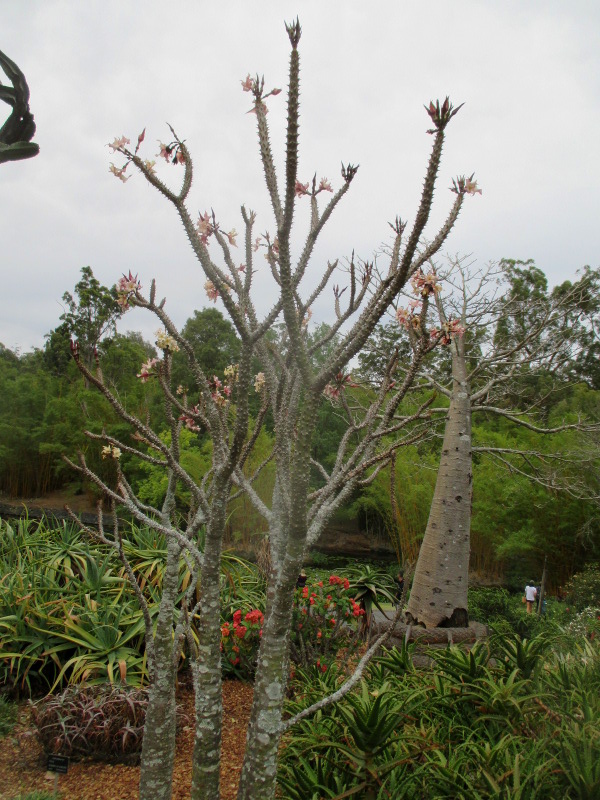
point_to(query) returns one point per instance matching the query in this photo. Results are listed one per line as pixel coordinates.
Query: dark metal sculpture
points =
(18, 130)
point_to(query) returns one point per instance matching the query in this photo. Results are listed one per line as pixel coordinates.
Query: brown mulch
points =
(23, 763)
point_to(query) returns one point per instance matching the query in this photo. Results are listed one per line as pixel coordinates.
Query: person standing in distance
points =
(530, 595)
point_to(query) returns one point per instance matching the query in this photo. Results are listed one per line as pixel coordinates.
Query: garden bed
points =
(23, 763)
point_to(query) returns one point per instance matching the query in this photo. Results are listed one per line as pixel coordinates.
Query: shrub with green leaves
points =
(68, 613)
(489, 604)
(104, 723)
(240, 640)
(583, 589)
(585, 623)
(320, 622)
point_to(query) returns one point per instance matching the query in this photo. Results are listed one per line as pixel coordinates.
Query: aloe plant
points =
(522, 654)
(371, 587)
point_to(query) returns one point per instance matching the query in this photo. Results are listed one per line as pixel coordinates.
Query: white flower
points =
(118, 143)
(110, 451)
(164, 341)
(471, 187)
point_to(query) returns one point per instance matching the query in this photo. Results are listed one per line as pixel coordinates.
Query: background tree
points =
(213, 340)
(90, 316)
(500, 347)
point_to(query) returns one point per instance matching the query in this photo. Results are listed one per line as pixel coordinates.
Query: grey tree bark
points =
(439, 591)
(486, 365)
(158, 747)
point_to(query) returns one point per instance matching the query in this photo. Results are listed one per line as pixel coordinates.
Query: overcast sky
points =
(528, 73)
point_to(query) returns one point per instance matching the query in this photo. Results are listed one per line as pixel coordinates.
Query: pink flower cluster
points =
(462, 185)
(147, 369)
(119, 146)
(189, 421)
(333, 390)
(410, 317)
(127, 286)
(253, 85)
(448, 331)
(207, 227)
(302, 189)
(220, 393)
(119, 172)
(425, 284)
(171, 153)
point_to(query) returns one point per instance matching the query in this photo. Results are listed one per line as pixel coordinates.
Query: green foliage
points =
(90, 315)
(487, 605)
(371, 587)
(395, 661)
(242, 586)
(43, 408)
(506, 613)
(474, 727)
(68, 613)
(195, 459)
(214, 342)
(585, 623)
(103, 723)
(320, 618)
(583, 589)
(240, 640)
(525, 656)
(35, 796)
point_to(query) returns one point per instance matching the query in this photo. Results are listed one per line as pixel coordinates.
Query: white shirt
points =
(530, 593)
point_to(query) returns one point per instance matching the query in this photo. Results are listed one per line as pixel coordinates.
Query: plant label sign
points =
(58, 764)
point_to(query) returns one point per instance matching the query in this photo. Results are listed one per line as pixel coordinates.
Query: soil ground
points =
(23, 763)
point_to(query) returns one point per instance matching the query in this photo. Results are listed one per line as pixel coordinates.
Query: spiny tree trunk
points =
(439, 592)
(259, 770)
(207, 664)
(158, 749)
(264, 730)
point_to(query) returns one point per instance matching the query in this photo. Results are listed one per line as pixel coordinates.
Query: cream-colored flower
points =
(119, 172)
(212, 291)
(119, 142)
(110, 451)
(259, 382)
(231, 373)
(164, 341)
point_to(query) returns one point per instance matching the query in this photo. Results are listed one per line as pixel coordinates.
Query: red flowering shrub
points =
(321, 624)
(239, 643)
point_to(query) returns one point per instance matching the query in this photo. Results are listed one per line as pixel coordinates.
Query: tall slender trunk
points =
(259, 771)
(158, 748)
(439, 592)
(207, 666)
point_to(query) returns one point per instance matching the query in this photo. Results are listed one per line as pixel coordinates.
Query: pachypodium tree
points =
(497, 340)
(297, 374)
